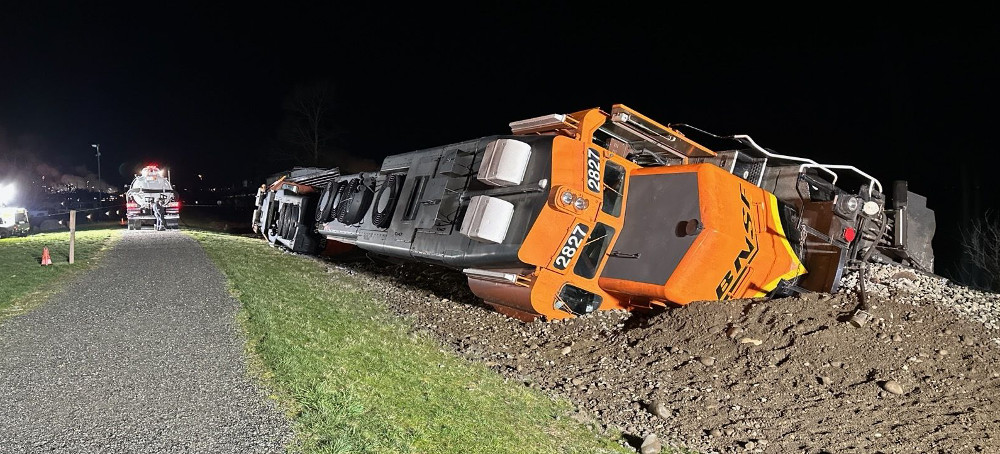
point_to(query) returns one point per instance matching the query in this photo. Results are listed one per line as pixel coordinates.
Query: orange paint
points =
(725, 202)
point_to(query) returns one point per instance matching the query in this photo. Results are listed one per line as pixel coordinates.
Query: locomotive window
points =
(593, 251)
(602, 138)
(614, 181)
(577, 300)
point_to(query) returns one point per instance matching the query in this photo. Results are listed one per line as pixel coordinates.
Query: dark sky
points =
(200, 89)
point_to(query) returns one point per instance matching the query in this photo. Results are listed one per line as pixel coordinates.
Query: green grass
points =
(354, 379)
(24, 283)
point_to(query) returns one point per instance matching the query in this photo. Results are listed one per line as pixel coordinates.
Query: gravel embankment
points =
(907, 286)
(775, 376)
(140, 355)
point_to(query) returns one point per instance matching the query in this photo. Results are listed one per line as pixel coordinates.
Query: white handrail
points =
(846, 167)
(813, 164)
(781, 156)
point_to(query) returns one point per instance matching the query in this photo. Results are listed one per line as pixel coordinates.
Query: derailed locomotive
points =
(587, 211)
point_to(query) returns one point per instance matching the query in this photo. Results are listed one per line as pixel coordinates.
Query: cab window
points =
(593, 251)
(577, 300)
(614, 182)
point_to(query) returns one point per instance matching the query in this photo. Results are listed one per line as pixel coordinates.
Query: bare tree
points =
(308, 127)
(981, 244)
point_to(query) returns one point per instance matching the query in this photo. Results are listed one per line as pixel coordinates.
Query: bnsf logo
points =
(745, 256)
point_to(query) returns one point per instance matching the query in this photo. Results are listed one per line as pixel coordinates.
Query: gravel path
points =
(140, 355)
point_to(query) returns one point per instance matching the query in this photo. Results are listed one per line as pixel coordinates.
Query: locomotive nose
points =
(697, 232)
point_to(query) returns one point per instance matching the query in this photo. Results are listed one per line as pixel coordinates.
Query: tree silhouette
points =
(308, 128)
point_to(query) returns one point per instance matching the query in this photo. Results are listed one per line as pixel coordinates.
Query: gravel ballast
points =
(141, 354)
(782, 375)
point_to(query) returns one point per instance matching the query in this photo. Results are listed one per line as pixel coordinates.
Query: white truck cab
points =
(14, 222)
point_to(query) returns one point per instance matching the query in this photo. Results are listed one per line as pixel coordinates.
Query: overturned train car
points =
(574, 213)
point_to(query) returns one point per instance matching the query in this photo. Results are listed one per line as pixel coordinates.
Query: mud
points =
(785, 375)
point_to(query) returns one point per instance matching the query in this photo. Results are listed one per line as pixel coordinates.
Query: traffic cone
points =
(46, 260)
(123, 221)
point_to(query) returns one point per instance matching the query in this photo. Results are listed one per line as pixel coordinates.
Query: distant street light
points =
(98, 147)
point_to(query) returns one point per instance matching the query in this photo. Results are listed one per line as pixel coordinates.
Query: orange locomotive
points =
(595, 211)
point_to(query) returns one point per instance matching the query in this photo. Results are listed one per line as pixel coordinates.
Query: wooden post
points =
(72, 236)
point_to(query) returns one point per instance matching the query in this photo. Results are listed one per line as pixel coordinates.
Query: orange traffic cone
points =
(123, 221)
(46, 260)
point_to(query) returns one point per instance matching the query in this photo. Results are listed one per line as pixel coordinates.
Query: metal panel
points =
(399, 162)
(656, 206)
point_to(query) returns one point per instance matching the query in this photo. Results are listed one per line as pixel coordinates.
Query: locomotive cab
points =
(616, 235)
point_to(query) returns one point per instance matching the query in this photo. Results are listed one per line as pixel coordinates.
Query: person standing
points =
(158, 211)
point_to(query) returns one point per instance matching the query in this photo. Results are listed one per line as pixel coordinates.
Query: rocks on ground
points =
(784, 375)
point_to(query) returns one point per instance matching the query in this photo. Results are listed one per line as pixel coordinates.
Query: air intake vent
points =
(504, 162)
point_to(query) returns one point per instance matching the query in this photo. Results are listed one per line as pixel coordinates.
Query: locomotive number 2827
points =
(569, 249)
(593, 170)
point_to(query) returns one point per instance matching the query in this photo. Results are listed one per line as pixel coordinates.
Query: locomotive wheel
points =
(286, 221)
(381, 218)
(269, 211)
(293, 222)
(282, 220)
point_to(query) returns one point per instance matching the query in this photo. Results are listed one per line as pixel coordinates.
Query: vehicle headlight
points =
(581, 203)
(567, 197)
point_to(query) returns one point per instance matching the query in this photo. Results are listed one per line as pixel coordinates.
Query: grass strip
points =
(24, 283)
(354, 379)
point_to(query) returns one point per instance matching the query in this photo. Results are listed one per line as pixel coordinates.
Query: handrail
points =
(781, 156)
(847, 167)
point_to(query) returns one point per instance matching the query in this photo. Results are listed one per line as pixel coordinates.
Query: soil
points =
(781, 375)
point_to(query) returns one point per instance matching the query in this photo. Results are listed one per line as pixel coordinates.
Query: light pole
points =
(98, 147)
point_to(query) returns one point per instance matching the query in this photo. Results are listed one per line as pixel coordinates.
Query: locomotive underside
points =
(595, 211)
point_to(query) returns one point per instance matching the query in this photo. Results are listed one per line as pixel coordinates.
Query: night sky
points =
(200, 90)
